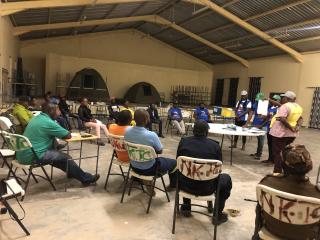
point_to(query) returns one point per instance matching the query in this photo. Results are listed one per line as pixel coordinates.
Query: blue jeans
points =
(166, 165)
(60, 159)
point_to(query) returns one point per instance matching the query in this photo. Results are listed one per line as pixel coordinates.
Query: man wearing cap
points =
(296, 164)
(274, 104)
(285, 127)
(243, 107)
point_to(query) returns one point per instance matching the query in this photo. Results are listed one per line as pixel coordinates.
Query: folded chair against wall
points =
(19, 143)
(13, 190)
(302, 210)
(199, 170)
(142, 153)
(118, 145)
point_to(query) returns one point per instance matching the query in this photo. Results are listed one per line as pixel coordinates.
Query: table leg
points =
(222, 141)
(67, 170)
(81, 143)
(231, 153)
(98, 153)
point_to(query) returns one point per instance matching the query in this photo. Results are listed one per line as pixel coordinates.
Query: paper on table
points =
(75, 134)
(263, 107)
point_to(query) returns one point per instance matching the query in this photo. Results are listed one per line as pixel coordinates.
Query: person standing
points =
(272, 111)
(243, 107)
(285, 127)
(176, 118)
(202, 113)
(154, 118)
(260, 122)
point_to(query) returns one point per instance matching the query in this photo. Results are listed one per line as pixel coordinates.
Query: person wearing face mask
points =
(202, 113)
(42, 131)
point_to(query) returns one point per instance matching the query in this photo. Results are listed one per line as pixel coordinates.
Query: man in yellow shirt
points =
(21, 112)
(126, 107)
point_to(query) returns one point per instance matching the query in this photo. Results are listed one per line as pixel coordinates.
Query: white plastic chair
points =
(142, 153)
(14, 190)
(300, 211)
(20, 143)
(318, 179)
(5, 154)
(118, 145)
(198, 170)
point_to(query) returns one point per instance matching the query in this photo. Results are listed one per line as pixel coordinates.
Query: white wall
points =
(9, 50)
(279, 74)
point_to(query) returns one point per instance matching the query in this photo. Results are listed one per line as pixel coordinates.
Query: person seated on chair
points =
(202, 113)
(200, 146)
(66, 113)
(296, 164)
(140, 135)
(126, 107)
(113, 109)
(176, 118)
(42, 131)
(154, 118)
(88, 121)
(124, 120)
(33, 104)
(21, 112)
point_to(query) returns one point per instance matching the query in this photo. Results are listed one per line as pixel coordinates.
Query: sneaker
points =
(253, 155)
(93, 180)
(257, 157)
(223, 217)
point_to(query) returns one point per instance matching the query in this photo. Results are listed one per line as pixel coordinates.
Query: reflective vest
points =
(295, 112)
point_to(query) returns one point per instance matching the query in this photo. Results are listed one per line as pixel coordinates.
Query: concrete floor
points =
(93, 213)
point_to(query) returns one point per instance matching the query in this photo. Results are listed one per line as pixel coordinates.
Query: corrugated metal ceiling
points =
(299, 21)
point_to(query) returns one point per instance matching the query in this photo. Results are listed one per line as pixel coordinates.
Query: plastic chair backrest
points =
(16, 142)
(199, 169)
(5, 123)
(117, 142)
(288, 208)
(140, 153)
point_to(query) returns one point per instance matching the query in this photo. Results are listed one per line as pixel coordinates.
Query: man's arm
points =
(68, 136)
(157, 145)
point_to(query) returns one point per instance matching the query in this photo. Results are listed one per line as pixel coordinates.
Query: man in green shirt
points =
(21, 112)
(42, 131)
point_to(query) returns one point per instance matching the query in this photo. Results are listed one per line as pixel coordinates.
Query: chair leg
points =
(48, 178)
(165, 189)
(14, 215)
(151, 196)
(130, 186)
(175, 209)
(27, 184)
(109, 170)
(125, 185)
(34, 177)
(122, 172)
(216, 207)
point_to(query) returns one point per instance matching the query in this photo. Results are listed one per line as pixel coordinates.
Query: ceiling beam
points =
(148, 18)
(302, 40)
(270, 31)
(163, 21)
(293, 53)
(197, 16)
(25, 29)
(226, 26)
(8, 8)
